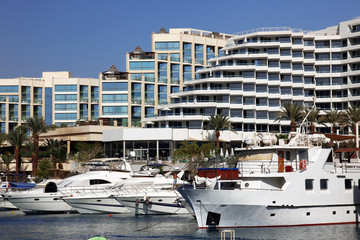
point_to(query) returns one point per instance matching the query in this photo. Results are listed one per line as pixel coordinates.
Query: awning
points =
(340, 150)
(337, 137)
(256, 157)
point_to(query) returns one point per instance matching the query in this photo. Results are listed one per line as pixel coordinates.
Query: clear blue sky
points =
(86, 36)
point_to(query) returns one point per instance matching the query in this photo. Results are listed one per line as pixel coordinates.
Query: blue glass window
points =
(94, 111)
(48, 106)
(175, 57)
(142, 66)
(115, 86)
(136, 76)
(115, 110)
(65, 97)
(115, 98)
(65, 88)
(162, 73)
(95, 93)
(162, 94)
(65, 116)
(187, 73)
(161, 46)
(9, 89)
(13, 98)
(149, 77)
(65, 107)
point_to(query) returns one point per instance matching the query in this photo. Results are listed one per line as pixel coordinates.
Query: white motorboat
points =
(292, 185)
(101, 200)
(49, 199)
(151, 196)
(6, 186)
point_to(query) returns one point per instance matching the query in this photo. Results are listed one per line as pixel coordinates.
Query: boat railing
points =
(345, 167)
(226, 185)
(266, 167)
(142, 188)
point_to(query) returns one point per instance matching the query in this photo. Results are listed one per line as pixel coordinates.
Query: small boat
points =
(6, 186)
(49, 199)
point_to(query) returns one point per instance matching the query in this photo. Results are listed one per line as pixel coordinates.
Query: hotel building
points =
(116, 98)
(175, 57)
(261, 70)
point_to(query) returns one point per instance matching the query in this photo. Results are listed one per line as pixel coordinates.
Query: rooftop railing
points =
(271, 29)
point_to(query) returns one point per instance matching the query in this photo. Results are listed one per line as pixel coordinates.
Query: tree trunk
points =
(34, 165)
(292, 126)
(54, 165)
(36, 154)
(312, 128)
(18, 161)
(217, 134)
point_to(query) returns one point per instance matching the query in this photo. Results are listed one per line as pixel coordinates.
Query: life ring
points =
(302, 164)
(9, 185)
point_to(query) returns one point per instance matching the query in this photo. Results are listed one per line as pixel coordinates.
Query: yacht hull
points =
(153, 205)
(6, 205)
(38, 204)
(96, 205)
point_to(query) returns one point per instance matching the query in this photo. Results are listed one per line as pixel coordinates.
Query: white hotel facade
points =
(262, 69)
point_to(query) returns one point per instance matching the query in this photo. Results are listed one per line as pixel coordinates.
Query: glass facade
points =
(48, 106)
(163, 46)
(114, 86)
(162, 73)
(142, 65)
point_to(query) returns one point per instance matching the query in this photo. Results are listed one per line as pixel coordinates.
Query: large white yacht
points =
(291, 185)
(102, 200)
(107, 172)
(151, 196)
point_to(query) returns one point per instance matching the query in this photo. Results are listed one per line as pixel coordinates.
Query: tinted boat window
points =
(309, 184)
(324, 184)
(348, 184)
(98, 181)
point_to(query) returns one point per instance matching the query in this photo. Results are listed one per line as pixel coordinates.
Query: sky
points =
(86, 37)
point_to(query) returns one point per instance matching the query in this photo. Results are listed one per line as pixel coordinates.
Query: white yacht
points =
(94, 201)
(151, 196)
(49, 199)
(291, 185)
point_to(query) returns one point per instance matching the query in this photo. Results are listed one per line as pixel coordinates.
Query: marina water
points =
(127, 226)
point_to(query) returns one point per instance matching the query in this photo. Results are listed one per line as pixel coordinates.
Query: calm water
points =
(125, 226)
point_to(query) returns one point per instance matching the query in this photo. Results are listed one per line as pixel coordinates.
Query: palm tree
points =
(352, 117)
(57, 150)
(335, 118)
(16, 138)
(37, 126)
(3, 138)
(293, 112)
(219, 123)
(7, 159)
(312, 117)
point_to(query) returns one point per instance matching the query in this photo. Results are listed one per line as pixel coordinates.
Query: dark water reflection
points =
(125, 226)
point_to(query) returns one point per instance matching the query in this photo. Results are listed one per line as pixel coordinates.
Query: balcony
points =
(145, 55)
(136, 101)
(84, 100)
(149, 102)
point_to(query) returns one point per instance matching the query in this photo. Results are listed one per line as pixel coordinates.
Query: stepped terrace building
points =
(175, 57)
(261, 70)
